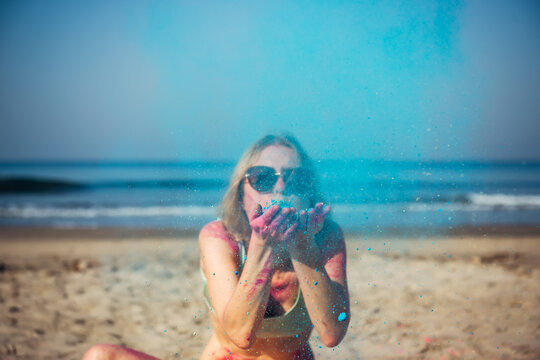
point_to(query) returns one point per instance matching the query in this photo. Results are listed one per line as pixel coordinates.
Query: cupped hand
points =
(311, 222)
(275, 225)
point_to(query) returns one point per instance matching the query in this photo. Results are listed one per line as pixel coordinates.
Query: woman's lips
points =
(280, 291)
(280, 286)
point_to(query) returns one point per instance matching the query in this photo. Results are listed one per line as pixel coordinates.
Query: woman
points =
(273, 273)
(273, 264)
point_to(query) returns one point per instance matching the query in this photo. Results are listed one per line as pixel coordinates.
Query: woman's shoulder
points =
(216, 233)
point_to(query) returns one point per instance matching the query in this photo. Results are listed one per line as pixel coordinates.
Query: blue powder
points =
(342, 316)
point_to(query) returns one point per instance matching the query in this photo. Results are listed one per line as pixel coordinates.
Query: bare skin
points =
(285, 253)
(280, 259)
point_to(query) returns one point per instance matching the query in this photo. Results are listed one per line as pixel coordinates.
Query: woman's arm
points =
(240, 301)
(321, 271)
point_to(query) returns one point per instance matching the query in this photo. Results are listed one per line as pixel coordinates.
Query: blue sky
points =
(202, 80)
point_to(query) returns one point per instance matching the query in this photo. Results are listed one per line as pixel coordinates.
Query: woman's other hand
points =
(275, 225)
(311, 222)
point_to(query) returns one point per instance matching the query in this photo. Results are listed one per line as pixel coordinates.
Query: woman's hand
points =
(310, 223)
(275, 225)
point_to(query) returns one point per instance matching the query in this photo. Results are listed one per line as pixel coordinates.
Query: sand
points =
(456, 297)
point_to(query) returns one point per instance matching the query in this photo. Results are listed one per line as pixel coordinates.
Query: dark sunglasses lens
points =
(262, 178)
(299, 181)
(286, 173)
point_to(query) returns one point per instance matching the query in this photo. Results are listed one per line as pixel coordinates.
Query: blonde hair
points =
(231, 209)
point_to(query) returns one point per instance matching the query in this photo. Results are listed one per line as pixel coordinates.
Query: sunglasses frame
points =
(275, 173)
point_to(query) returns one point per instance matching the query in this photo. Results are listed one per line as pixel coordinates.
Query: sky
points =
(179, 80)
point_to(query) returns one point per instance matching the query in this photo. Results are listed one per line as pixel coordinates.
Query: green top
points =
(293, 322)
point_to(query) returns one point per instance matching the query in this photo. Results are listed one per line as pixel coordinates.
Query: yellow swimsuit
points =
(292, 323)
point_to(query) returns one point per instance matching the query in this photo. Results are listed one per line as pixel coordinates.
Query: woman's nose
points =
(280, 185)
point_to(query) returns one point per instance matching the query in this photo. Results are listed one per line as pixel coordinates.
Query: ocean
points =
(185, 195)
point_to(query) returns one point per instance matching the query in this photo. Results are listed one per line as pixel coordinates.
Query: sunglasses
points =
(264, 178)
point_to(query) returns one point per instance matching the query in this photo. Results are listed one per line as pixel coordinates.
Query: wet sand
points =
(461, 296)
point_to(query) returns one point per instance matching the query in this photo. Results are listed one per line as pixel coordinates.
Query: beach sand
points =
(452, 297)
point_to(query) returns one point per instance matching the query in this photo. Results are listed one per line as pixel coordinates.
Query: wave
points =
(29, 184)
(41, 185)
(32, 211)
(482, 202)
(506, 201)
(416, 184)
(190, 184)
(37, 185)
(474, 202)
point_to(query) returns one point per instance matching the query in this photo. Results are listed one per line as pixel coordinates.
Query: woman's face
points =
(277, 157)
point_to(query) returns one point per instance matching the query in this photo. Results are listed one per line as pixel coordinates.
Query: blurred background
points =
(133, 114)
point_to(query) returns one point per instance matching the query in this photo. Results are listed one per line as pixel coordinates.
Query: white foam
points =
(476, 202)
(483, 202)
(30, 211)
(504, 200)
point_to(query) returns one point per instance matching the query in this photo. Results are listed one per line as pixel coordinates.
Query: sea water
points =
(185, 195)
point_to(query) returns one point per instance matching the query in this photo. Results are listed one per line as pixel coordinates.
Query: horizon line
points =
(230, 161)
